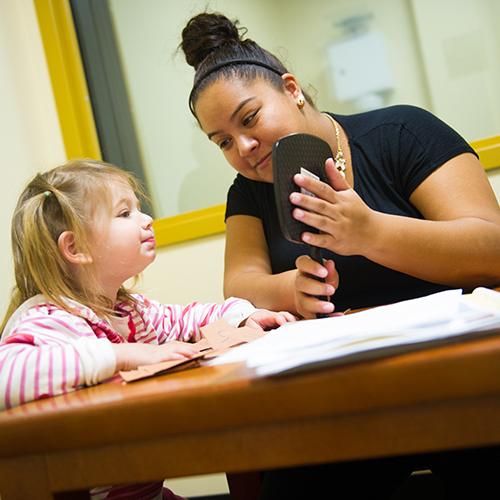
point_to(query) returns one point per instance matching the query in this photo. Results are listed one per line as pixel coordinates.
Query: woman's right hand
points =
(308, 289)
(345, 224)
(131, 355)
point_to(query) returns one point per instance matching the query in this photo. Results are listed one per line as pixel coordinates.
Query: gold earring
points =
(300, 101)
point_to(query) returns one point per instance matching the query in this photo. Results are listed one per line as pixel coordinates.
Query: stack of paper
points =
(435, 319)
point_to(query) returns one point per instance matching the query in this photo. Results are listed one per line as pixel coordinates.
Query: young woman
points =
(412, 214)
(78, 234)
(408, 211)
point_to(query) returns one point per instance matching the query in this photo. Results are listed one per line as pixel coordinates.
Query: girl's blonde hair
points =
(65, 198)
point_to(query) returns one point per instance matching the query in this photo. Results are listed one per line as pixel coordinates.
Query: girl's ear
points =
(291, 85)
(67, 247)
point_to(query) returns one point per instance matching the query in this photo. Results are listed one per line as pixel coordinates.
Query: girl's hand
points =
(131, 355)
(345, 222)
(267, 320)
(308, 289)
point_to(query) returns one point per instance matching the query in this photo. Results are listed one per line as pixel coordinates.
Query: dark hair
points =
(213, 45)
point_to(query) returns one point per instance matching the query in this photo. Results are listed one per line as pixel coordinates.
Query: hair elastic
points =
(47, 193)
(231, 62)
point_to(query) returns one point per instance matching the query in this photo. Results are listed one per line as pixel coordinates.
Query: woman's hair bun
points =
(205, 33)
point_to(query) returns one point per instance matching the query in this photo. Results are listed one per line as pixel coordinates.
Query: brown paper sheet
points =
(217, 338)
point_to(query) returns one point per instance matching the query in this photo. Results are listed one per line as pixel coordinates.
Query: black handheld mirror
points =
(297, 154)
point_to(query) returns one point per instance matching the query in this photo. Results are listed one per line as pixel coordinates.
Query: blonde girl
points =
(78, 234)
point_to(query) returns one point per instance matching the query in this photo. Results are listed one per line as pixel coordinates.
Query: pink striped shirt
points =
(46, 351)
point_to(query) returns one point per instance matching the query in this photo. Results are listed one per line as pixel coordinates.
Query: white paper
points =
(392, 328)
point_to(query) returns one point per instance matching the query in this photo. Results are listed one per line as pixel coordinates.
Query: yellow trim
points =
(68, 79)
(189, 225)
(489, 151)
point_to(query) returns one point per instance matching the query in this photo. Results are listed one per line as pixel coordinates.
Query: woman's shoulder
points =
(399, 114)
(401, 111)
(242, 183)
(248, 197)
(407, 114)
(402, 122)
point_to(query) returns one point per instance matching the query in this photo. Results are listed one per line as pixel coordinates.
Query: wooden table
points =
(222, 419)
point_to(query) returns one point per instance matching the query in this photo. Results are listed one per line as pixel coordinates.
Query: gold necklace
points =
(339, 157)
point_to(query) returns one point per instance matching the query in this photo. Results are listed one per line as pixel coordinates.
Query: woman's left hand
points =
(267, 320)
(345, 222)
(314, 286)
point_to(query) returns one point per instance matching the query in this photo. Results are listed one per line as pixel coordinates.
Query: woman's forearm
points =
(274, 292)
(463, 252)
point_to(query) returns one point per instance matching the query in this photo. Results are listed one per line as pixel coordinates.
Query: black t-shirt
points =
(392, 150)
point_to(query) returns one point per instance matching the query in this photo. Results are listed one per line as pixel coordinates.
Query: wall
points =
(308, 47)
(29, 132)
(494, 7)
(461, 57)
(187, 271)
